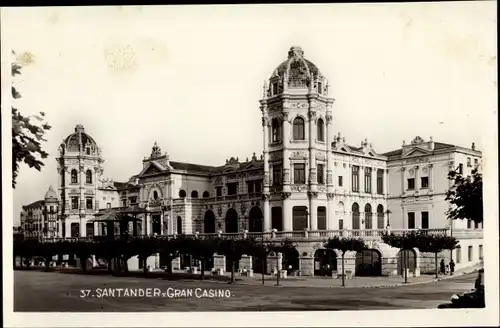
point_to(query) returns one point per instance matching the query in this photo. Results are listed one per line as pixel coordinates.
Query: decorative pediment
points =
(417, 152)
(152, 168)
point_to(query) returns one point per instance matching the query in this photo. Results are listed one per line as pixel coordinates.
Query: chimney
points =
(431, 144)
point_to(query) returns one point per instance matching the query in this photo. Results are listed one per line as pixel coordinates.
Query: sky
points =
(190, 77)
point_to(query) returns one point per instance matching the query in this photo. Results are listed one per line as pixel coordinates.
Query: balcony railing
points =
(318, 235)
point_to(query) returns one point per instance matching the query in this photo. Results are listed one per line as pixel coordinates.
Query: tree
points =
(170, 249)
(404, 242)
(466, 195)
(200, 248)
(145, 247)
(26, 136)
(233, 249)
(284, 247)
(435, 244)
(344, 245)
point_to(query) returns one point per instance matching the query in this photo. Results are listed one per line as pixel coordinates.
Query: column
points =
(170, 223)
(361, 180)
(331, 223)
(287, 214)
(431, 175)
(374, 181)
(161, 223)
(312, 156)
(313, 210)
(267, 213)
(329, 156)
(417, 182)
(403, 180)
(385, 178)
(348, 179)
(286, 155)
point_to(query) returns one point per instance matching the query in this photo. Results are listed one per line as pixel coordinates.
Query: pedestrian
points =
(447, 269)
(452, 267)
(479, 281)
(442, 267)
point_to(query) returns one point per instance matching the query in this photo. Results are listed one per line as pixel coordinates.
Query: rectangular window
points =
(469, 224)
(257, 186)
(459, 254)
(411, 184)
(124, 202)
(368, 180)
(476, 162)
(250, 187)
(74, 203)
(355, 178)
(480, 252)
(469, 254)
(469, 162)
(380, 182)
(277, 175)
(425, 220)
(461, 168)
(320, 88)
(341, 224)
(321, 217)
(88, 203)
(321, 174)
(232, 188)
(133, 200)
(424, 182)
(411, 220)
(299, 173)
(108, 205)
(218, 191)
(275, 88)
(340, 181)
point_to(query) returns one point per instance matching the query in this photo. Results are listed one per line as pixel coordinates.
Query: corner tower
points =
(79, 168)
(297, 126)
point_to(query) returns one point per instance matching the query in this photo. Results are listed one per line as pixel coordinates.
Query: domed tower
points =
(79, 169)
(51, 209)
(297, 121)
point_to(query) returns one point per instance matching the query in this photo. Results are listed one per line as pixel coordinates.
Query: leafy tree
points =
(27, 136)
(344, 245)
(170, 248)
(284, 247)
(466, 195)
(200, 248)
(404, 242)
(436, 244)
(233, 249)
(145, 247)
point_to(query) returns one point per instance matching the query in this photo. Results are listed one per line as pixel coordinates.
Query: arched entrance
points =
(325, 262)
(380, 217)
(255, 219)
(231, 221)
(368, 217)
(290, 260)
(368, 263)
(408, 256)
(209, 222)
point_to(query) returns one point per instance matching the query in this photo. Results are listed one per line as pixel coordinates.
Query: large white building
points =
(308, 184)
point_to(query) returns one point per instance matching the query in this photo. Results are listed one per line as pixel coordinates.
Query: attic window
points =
(88, 150)
(320, 87)
(275, 88)
(371, 154)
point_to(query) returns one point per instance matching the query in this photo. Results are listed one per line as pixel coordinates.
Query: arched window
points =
(298, 129)
(194, 194)
(155, 195)
(380, 217)
(206, 194)
(74, 176)
(368, 216)
(276, 130)
(321, 130)
(355, 216)
(88, 176)
(182, 193)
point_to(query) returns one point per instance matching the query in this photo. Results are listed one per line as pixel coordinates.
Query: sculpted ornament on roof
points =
(417, 140)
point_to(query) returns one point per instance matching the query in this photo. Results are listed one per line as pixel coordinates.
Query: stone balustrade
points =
(305, 235)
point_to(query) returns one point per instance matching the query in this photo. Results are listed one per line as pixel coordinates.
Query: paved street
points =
(52, 291)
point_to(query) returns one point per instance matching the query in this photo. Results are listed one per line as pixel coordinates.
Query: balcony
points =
(314, 236)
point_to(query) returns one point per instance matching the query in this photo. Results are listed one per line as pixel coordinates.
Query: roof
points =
(192, 167)
(38, 203)
(437, 146)
(296, 68)
(79, 139)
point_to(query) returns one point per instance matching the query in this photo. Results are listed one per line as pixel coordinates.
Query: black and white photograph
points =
(250, 165)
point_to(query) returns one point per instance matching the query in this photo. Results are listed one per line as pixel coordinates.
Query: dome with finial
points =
(79, 141)
(50, 194)
(296, 71)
